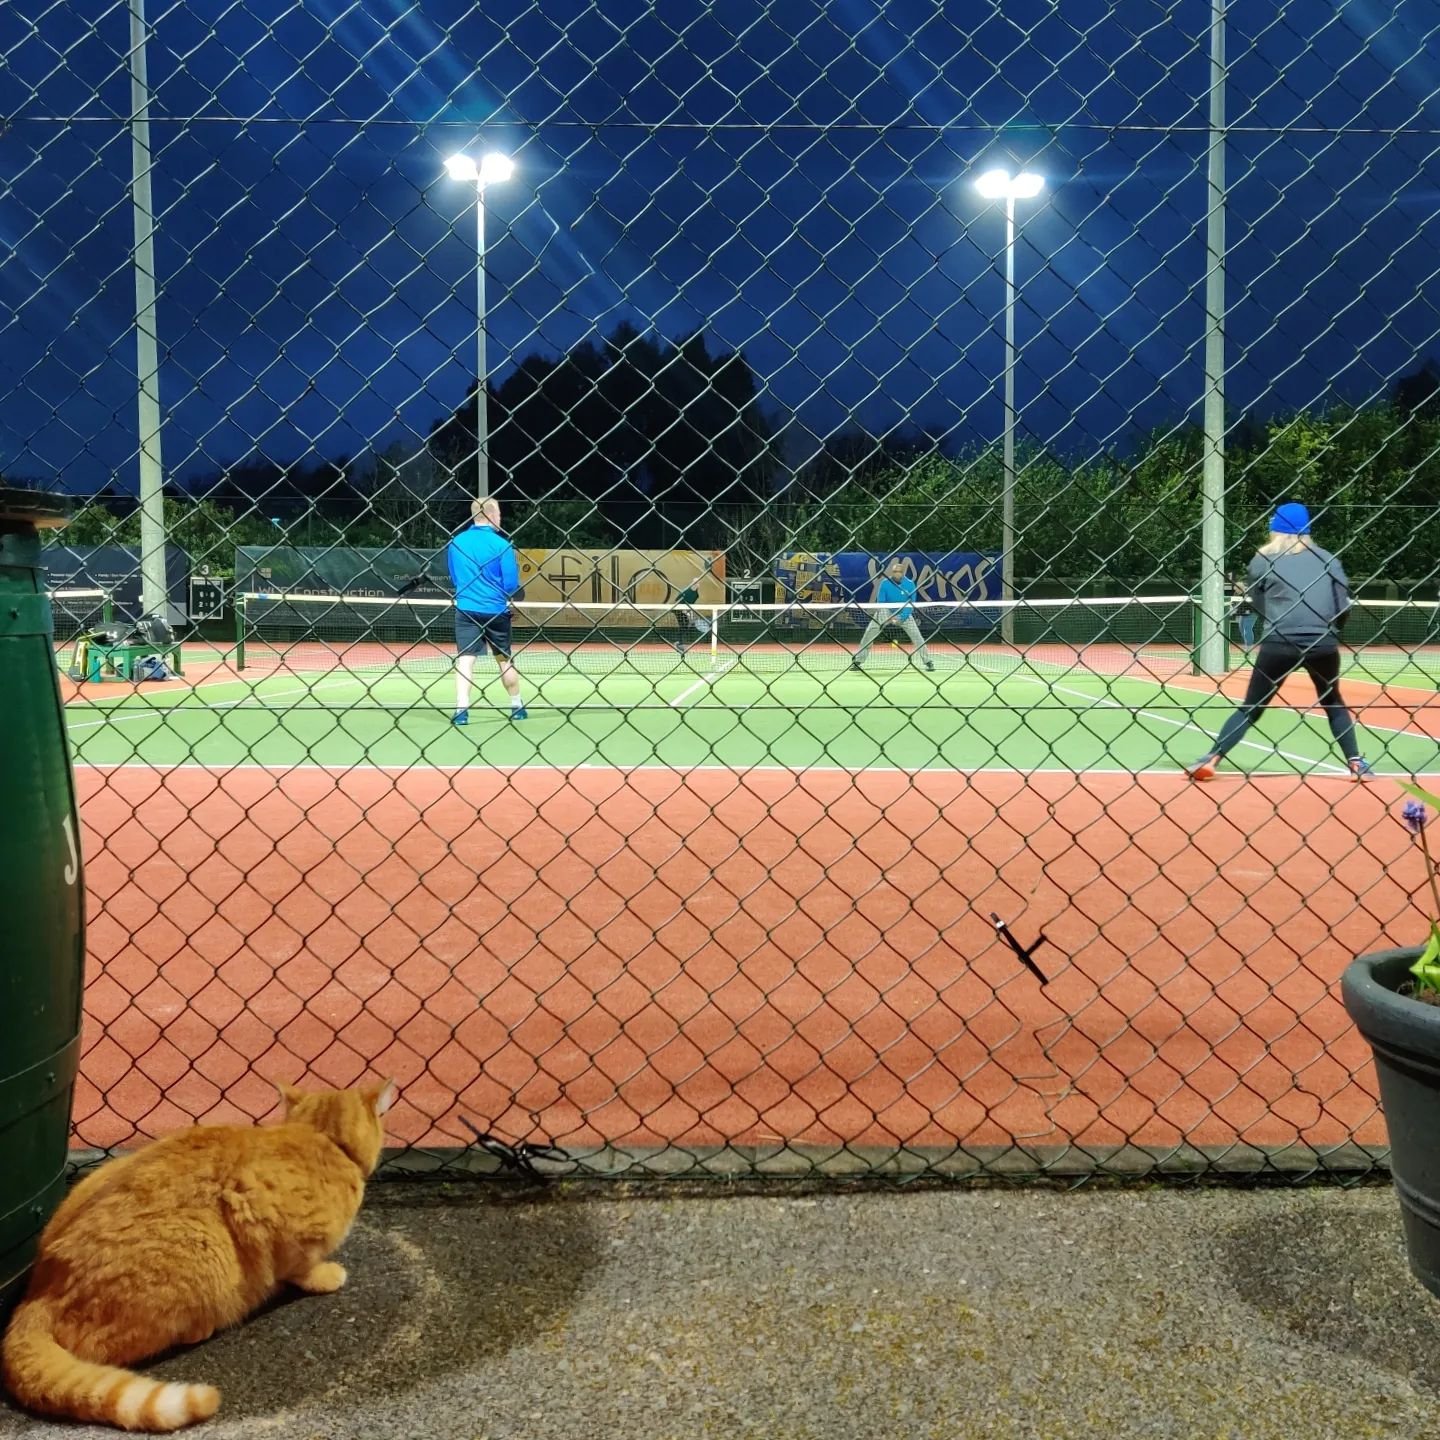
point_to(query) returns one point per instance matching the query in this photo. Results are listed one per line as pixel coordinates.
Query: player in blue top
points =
(486, 576)
(896, 597)
(688, 614)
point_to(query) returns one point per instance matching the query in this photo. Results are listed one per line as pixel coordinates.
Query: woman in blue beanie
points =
(1301, 593)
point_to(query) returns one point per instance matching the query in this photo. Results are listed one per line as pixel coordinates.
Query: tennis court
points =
(742, 898)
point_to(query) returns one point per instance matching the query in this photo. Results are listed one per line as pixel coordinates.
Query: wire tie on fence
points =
(1021, 953)
(518, 1157)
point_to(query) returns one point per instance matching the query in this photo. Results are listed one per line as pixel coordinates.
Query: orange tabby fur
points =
(168, 1245)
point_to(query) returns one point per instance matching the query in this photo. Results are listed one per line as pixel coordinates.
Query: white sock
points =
(516, 703)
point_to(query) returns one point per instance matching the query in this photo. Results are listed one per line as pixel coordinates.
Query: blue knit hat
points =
(1291, 519)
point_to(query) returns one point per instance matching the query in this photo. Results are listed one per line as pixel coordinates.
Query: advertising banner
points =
(851, 577)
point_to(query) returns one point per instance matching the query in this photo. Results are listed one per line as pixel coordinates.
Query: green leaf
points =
(1419, 794)
(1426, 969)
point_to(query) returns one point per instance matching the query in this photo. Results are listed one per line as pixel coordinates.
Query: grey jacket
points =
(1303, 597)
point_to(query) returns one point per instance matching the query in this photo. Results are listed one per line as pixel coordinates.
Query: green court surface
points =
(693, 714)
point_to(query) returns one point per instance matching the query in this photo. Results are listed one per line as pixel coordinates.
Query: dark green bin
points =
(42, 911)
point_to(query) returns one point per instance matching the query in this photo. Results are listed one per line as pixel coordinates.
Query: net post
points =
(107, 608)
(714, 636)
(239, 631)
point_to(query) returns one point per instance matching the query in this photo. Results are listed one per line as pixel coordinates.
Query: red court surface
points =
(642, 958)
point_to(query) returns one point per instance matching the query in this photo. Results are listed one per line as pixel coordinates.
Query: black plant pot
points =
(1405, 1036)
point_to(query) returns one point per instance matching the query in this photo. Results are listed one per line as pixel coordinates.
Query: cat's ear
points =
(289, 1096)
(381, 1097)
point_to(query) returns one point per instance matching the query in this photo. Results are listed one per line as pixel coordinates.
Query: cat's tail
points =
(49, 1380)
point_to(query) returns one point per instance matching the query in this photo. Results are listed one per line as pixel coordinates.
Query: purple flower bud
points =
(1414, 815)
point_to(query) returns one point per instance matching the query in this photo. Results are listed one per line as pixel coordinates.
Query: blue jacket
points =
(483, 570)
(897, 592)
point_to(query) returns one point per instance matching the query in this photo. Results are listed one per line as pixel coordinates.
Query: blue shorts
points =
(477, 634)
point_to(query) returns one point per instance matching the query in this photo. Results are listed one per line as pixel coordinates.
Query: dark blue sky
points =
(790, 175)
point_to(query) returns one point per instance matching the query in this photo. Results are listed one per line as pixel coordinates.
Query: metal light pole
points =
(490, 169)
(154, 591)
(1001, 185)
(1212, 649)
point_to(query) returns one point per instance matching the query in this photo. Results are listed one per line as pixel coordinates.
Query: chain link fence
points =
(1052, 302)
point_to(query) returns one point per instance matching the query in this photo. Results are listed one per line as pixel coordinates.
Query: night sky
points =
(792, 178)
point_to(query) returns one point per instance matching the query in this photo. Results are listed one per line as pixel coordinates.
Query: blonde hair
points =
(1279, 544)
(487, 510)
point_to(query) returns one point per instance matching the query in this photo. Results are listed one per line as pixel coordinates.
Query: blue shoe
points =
(520, 714)
(1361, 770)
(460, 717)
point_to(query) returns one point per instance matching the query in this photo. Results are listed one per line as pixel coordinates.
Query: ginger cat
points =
(183, 1238)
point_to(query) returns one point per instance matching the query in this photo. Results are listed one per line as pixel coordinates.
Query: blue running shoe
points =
(460, 717)
(1361, 770)
(520, 714)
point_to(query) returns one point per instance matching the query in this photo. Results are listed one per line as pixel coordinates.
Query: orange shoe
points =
(1203, 769)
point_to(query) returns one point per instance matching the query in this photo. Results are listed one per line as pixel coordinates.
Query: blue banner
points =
(851, 577)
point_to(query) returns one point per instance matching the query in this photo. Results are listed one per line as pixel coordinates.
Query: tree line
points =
(634, 441)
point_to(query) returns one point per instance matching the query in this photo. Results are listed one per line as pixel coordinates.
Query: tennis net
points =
(1394, 638)
(76, 611)
(1144, 637)
(307, 632)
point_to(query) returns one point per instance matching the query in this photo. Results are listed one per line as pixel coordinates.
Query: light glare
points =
(1001, 185)
(492, 169)
(495, 168)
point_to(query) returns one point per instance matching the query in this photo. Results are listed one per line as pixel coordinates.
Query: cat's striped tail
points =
(49, 1380)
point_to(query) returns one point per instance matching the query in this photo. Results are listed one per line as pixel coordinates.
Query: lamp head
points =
(1002, 185)
(492, 168)
(495, 168)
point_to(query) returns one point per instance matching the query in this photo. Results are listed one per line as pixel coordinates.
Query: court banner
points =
(115, 568)
(338, 570)
(573, 577)
(853, 576)
(622, 577)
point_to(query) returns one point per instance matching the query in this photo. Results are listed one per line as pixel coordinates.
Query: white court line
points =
(704, 680)
(1304, 760)
(708, 678)
(1358, 711)
(1314, 710)
(1258, 777)
(147, 711)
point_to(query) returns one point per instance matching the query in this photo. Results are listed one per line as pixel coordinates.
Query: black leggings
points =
(1277, 659)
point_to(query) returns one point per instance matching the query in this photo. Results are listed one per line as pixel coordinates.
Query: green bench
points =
(120, 660)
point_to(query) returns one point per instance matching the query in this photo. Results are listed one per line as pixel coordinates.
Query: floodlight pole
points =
(1001, 185)
(482, 372)
(154, 589)
(1212, 647)
(488, 169)
(1007, 507)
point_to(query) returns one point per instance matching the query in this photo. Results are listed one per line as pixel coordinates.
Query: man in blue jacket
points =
(486, 577)
(896, 595)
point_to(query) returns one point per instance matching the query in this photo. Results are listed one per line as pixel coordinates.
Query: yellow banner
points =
(622, 577)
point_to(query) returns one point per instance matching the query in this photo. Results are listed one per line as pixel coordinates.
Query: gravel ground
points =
(1015, 1313)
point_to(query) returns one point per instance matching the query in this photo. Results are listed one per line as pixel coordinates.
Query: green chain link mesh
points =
(724, 903)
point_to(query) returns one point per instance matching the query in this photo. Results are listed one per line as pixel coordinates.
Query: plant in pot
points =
(1393, 997)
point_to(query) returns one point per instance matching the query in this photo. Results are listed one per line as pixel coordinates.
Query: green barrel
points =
(42, 911)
